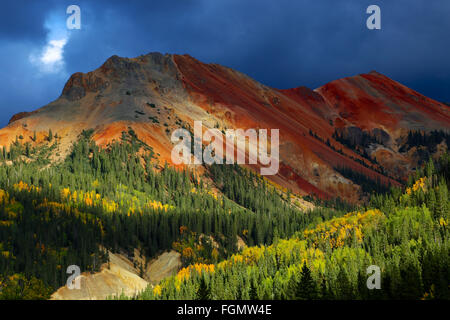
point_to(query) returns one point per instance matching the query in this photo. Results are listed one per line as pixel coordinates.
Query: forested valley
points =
(119, 198)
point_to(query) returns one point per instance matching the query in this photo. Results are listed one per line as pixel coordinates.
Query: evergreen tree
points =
(411, 282)
(344, 284)
(253, 291)
(306, 287)
(203, 292)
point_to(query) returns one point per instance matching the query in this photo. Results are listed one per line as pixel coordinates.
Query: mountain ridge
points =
(154, 94)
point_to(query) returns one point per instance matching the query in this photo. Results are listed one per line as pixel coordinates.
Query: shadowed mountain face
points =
(359, 123)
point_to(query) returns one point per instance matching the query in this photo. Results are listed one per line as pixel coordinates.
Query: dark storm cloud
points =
(279, 43)
(23, 19)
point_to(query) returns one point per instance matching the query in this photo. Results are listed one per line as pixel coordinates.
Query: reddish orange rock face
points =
(155, 94)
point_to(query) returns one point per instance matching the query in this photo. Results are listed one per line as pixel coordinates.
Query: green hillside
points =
(53, 215)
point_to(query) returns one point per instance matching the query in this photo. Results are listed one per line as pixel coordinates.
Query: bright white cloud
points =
(53, 52)
(50, 58)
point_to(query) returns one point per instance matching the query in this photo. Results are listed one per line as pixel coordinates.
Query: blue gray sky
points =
(281, 43)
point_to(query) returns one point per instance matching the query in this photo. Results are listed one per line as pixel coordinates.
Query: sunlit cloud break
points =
(50, 59)
(53, 52)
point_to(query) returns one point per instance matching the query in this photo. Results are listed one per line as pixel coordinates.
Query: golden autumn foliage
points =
(23, 186)
(419, 184)
(19, 287)
(90, 199)
(157, 205)
(215, 254)
(285, 250)
(131, 202)
(157, 290)
(12, 208)
(6, 223)
(292, 253)
(338, 230)
(4, 196)
(198, 268)
(5, 253)
(187, 252)
(207, 192)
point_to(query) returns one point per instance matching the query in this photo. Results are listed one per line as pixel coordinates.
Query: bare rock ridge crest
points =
(155, 94)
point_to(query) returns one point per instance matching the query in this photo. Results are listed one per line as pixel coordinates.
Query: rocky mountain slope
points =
(120, 276)
(155, 94)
